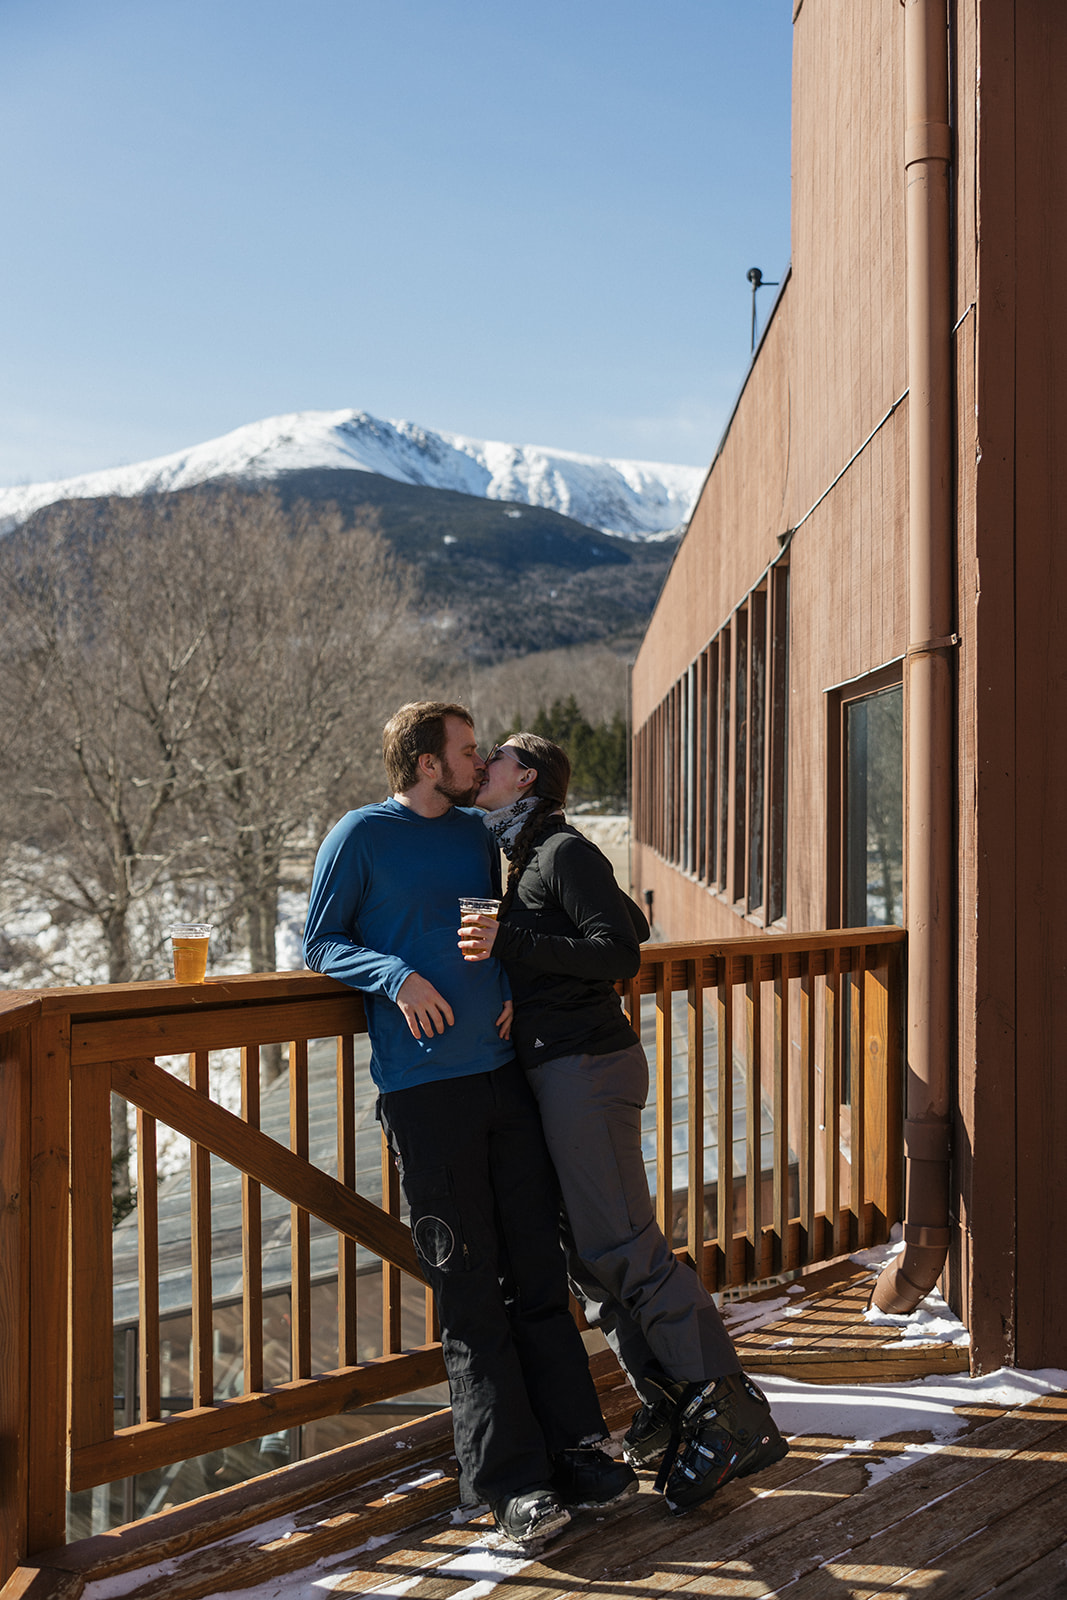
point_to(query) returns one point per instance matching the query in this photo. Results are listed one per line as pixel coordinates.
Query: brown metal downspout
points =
(930, 885)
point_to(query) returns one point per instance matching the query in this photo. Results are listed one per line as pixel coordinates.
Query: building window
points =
(724, 760)
(866, 812)
(710, 762)
(874, 806)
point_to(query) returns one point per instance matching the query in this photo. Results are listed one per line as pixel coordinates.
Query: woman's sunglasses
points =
(499, 750)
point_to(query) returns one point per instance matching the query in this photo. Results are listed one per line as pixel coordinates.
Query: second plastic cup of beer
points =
(189, 941)
(470, 910)
(479, 908)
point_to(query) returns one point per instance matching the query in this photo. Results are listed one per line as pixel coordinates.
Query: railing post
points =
(49, 1264)
(14, 1293)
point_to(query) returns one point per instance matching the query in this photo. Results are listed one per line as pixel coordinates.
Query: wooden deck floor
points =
(821, 1335)
(984, 1514)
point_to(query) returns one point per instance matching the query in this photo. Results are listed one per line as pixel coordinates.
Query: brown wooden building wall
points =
(812, 475)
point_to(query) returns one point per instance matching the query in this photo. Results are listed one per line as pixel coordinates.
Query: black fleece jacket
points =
(566, 934)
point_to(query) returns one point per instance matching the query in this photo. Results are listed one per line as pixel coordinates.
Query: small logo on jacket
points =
(539, 1044)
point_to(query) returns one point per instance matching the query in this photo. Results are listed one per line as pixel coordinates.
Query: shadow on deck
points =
(983, 1513)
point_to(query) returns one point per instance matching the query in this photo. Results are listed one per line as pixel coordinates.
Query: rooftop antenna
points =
(758, 281)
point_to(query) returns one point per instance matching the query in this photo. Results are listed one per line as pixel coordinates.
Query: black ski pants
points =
(485, 1216)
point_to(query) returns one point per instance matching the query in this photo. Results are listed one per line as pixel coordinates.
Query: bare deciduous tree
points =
(289, 734)
(192, 683)
(113, 637)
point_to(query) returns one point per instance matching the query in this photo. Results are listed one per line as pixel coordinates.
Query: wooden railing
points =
(773, 1008)
(811, 1027)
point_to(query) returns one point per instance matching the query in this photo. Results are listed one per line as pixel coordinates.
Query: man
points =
(383, 917)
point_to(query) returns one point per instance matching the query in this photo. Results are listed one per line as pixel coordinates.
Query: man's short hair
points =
(417, 729)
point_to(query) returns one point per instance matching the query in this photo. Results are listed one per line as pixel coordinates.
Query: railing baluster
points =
(203, 1373)
(861, 1224)
(695, 1207)
(92, 1361)
(299, 1219)
(832, 1113)
(251, 1236)
(391, 1342)
(724, 1025)
(148, 1267)
(883, 1097)
(780, 1093)
(753, 1110)
(431, 1321)
(347, 1335)
(808, 1115)
(664, 1077)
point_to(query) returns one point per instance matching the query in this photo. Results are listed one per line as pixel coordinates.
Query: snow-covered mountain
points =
(639, 499)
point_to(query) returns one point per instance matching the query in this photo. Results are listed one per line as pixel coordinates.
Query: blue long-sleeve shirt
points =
(384, 904)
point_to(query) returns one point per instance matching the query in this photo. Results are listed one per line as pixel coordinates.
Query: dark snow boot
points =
(721, 1430)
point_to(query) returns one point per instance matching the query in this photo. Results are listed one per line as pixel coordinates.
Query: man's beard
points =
(450, 789)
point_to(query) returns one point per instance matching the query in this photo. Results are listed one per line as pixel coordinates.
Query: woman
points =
(565, 933)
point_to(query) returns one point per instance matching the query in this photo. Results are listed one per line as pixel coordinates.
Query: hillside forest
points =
(195, 686)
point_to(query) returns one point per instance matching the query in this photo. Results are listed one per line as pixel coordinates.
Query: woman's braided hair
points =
(553, 769)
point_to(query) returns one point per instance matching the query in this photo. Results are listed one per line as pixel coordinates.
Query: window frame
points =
(838, 702)
(712, 759)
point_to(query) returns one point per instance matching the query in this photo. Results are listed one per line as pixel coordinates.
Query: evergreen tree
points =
(597, 751)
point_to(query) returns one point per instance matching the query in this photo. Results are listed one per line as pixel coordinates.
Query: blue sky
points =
(527, 221)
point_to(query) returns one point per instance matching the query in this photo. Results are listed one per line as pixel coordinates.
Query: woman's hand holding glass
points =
(477, 935)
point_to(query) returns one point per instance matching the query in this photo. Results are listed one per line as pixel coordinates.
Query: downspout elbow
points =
(909, 1277)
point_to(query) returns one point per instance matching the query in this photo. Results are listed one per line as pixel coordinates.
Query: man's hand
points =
(477, 935)
(503, 1022)
(425, 1011)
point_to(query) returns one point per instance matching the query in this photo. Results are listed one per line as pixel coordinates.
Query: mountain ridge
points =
(638, 500)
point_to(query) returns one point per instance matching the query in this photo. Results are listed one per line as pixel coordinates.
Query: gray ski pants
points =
(650, 1307)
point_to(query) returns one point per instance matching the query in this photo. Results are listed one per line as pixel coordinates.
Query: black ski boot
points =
(721, 1430)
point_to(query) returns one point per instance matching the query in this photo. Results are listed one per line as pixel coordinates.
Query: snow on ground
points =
(639, 499)
(844, 1419)
(931, 1323)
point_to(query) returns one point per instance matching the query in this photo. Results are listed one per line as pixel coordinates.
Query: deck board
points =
(982, 1514)
(824, 1339)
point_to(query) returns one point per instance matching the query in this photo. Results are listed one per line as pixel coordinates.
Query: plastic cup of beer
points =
(470, 911)
(478, 908)
(189, 941)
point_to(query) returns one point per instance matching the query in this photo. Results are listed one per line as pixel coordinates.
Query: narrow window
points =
(757, 611)
(724, 757)
(712, 734)
(740, 751)
(700, 786)
(866, 854)
(874, 811)
(778, 742)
